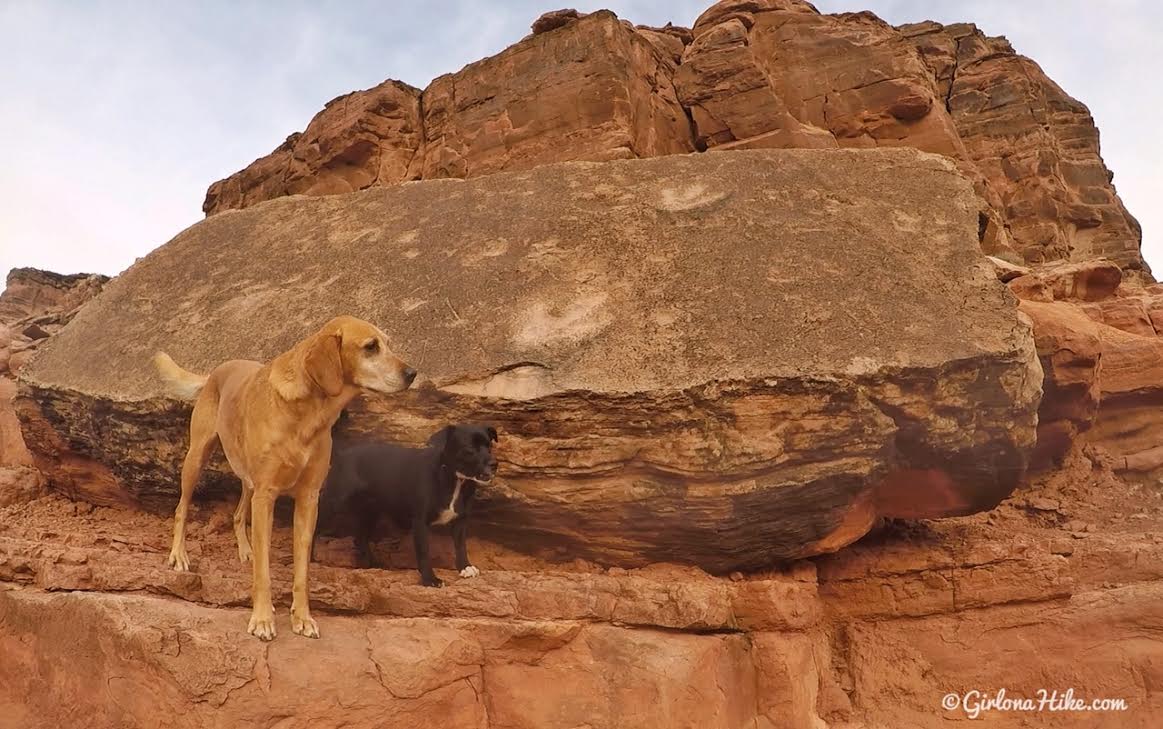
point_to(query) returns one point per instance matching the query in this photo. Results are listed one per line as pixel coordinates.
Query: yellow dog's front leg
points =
(306, 514)
(262, 617)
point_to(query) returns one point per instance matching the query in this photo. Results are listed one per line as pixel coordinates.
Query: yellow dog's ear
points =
(324, 363)
(314, 362)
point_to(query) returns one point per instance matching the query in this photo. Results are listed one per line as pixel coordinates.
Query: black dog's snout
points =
(409, 375)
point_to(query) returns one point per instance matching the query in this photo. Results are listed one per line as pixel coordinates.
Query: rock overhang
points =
(720, 359)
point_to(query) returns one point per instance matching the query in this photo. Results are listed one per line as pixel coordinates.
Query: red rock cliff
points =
(751, 74)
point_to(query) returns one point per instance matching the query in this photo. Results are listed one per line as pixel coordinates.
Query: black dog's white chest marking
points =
(449, 512)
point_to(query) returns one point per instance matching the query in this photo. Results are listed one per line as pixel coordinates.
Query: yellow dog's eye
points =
(372, 346)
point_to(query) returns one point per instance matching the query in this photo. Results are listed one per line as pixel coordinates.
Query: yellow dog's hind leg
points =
(203, 438)
(241, 517)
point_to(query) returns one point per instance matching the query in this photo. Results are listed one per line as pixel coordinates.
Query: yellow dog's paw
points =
(305, 627)
(262, 626)
(244, 553)
(179, 560)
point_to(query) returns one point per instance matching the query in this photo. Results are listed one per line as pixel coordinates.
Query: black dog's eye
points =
(372, 347)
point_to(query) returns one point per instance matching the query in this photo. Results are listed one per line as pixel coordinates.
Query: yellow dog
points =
(274, 424)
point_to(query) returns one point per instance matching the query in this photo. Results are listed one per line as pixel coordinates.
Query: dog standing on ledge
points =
(417, 487)
(273, 422)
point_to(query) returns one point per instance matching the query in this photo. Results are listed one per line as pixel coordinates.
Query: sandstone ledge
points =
(871, 636)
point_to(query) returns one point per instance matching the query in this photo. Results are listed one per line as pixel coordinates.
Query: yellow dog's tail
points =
(179, 382)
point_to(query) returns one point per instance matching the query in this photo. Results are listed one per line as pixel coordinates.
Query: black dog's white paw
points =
(470, 571)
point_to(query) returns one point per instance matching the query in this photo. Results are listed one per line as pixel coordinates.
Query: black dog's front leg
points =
(363, 541)
(459, 533)
(428, 578)
(459, 530)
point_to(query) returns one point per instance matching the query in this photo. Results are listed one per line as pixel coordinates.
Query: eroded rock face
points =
(877, 92)
(1099, 340)
(1093, 280)
(34, 305)
(1037, 146)
(19, 478)
(750, 74)
(555, 19)
(779, 74)
(672, 381)
(360, 139)
(595, 90)
(30, 293)
(1071, 353)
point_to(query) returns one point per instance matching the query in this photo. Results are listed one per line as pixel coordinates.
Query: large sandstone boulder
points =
(724, 360)
(750, 74)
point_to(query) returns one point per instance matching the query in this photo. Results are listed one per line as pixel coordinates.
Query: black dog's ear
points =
(492, 433)
(439, 439)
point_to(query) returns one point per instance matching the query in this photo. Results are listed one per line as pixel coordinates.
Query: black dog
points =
(416, 487)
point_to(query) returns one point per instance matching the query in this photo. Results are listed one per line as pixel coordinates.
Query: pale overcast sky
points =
(116, 116)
